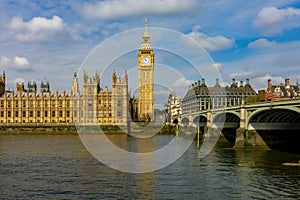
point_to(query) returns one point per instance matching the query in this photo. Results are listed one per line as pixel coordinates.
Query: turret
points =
(75, 84)
(2, 83)
(31, 86)
(20, 87)
(45, 86)
(114, 78)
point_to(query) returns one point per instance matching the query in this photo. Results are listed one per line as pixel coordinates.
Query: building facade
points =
(145, 78)
(94, 105)
(200, 97)
(282, 91)
(173, 107)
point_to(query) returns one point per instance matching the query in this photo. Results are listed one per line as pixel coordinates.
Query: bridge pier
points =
(249, 138)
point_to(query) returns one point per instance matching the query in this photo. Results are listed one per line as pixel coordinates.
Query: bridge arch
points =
(185, 121)
(228, 122)
(276, 115)
(278, 127)
(227, 117)
(175, 121)
(200, 120)
(256, 112)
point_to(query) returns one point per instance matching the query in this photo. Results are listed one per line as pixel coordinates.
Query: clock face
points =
(146, 60)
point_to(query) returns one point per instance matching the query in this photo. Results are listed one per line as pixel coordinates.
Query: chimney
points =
(217, 81)
(287, 83)
(247, 81)
(241, 83)
(233, 83)
(199, 83)
(269, 84)
(203, 82)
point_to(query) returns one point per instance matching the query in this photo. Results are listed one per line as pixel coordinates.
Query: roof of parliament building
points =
(200, 88)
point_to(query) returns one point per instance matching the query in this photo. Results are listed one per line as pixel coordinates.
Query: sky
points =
(50, 40)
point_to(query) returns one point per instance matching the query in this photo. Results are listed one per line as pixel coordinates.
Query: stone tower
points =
(145, 78)
(91, 88)
(120, 99)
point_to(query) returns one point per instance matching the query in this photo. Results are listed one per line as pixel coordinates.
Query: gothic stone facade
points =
(94, 105)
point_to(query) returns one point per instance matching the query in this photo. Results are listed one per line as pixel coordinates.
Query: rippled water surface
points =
(59, 167)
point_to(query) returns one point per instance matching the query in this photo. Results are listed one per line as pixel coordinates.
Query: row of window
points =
(54, 103)
(38, 114)
(100, 113)
(38, 104)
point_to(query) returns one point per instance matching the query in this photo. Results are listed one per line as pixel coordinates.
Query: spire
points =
(146, 33)
(146, 37)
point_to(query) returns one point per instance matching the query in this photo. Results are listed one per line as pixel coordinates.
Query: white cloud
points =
(244, 74)
(210, 43)
(218, 66)
(21, 61)
(261, 43)
(182, 82)
(120, 8)
(37, 24)
(17, 63)
(271, 20)
(40, 29)
(261, 82)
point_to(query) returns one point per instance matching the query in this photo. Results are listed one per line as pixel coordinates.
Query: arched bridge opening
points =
(228, 122)
(184, 121)
(200, 121)
(175, 121)
(279, 128)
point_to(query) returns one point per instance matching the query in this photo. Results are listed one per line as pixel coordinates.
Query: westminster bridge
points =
(274, 124)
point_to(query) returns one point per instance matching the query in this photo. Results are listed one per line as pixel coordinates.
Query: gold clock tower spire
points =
(145, 78)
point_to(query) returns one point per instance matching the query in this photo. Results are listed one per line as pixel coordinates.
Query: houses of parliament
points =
(93, 105)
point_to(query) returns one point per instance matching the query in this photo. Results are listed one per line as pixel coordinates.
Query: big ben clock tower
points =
(145, 78)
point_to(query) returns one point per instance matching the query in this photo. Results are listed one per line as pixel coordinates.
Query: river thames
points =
(59, 167)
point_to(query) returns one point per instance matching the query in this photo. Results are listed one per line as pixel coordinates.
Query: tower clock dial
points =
(146, 60)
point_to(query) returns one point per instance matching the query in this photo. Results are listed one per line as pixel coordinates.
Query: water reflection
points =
(59, 167)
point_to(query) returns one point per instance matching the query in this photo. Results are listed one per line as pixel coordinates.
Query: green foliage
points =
(255, 99)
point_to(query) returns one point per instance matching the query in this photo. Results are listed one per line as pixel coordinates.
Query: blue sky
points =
(253, 39)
